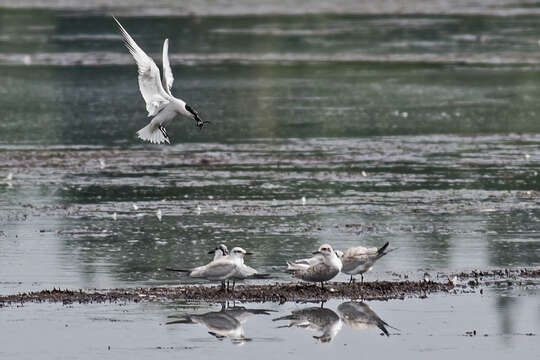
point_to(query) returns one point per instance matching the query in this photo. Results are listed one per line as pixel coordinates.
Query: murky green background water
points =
(416, 126)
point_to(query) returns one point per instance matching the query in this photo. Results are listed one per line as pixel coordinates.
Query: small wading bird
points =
(224, 267)
(160, 103)
(358, 260)
(324, 266)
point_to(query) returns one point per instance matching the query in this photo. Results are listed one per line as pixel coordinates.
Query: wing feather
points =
(168, 77)
(360, 250)
(216, 270)
(149, 77)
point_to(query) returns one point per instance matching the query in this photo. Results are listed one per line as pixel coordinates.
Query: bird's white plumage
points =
(225, 267)
(168, 77)
(220, 269)
(304, 263)
(156, 92)
(149, 77)
(360, 250)
(319, 269)
(359, 259)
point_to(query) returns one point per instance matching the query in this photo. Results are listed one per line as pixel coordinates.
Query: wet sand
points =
(467, 282)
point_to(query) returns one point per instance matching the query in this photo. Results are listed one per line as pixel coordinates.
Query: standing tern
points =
(242, 272)
(358, 260)
(224, 267)
(323, 267)
(219, 251)
(160, 103)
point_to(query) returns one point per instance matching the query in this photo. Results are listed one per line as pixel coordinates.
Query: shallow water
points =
(414, 125)
(448, 203)
(504, 324)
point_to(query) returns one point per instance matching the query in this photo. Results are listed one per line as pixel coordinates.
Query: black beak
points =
(212, 251)
(316, 252)
(248, 253)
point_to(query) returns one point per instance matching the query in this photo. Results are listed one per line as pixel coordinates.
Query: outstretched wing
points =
(149, 77)
(168, 77)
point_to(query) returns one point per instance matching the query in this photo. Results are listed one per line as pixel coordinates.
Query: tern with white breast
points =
(359, 260)
(224, 267)
(219, 251)
(242, 272)
(320, 268)
(160, 103)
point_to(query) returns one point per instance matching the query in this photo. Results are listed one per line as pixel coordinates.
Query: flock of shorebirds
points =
(326, 264)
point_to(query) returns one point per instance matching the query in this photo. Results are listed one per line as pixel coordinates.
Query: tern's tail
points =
(154, 134)
(382, 251)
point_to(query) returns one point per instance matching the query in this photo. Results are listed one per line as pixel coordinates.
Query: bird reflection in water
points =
(226, 323)
(358, 315)
(319, 319)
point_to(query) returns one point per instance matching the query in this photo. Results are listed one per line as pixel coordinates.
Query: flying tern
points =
(160, 103)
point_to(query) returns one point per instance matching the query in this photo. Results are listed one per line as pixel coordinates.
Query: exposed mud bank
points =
(282, 292)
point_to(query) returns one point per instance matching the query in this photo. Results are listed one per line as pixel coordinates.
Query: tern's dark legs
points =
(164, 132)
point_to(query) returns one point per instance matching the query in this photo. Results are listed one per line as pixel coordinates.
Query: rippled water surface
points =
(414, 125)
(502, 326)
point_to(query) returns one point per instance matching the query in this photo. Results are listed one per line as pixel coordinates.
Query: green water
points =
(417, 129)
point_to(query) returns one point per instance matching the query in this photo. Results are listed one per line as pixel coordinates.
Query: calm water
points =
(418, 128)
(422, 328)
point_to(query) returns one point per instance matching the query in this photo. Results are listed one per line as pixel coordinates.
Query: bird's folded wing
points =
(360, 250)
(357, 259)
(306, 262)
(149, 77)
(310, 261)
(214, 270)
(312, 273)
(168, 77)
